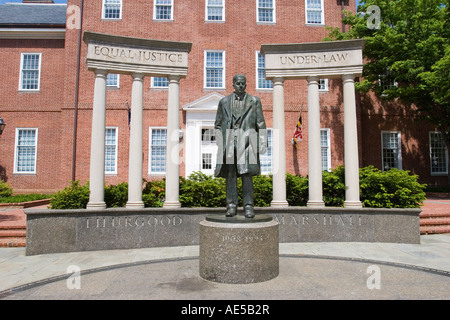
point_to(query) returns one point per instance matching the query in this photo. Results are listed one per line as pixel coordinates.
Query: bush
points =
(24, 198)
(116, 196)
(333, 186)
(5, 190)
(74, 197)
(296, 190)
(154, 194)
(390, 189)
(262, 190)
(201, 190)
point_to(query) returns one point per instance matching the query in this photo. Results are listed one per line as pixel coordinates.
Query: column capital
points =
(313, 79)
(138, 76)
(100, 72)
(173, 78)
(348, 77)
(278, 81)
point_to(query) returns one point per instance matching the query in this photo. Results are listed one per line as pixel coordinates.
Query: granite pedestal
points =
(239, 250)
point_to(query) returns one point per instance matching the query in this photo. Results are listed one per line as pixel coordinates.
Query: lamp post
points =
(2, 125)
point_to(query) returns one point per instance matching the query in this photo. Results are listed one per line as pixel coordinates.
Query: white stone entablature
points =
(326, 59)
(128, 55)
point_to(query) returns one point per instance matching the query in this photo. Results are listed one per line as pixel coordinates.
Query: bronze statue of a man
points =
(241, 136)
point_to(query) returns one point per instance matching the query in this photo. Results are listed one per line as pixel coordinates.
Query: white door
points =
(208, 150)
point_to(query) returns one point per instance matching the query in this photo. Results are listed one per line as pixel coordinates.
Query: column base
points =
(96, 205)
(135, 205)
(353, 204)
(279, 203)
(315, 204)
(172, 204)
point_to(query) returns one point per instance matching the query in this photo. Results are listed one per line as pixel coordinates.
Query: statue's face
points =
(239, 85)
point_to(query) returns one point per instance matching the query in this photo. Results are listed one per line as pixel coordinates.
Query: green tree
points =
(410, 46)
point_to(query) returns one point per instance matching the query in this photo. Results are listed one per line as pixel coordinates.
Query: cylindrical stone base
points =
(239, 252)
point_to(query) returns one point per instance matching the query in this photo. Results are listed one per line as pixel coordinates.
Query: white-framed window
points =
(386, 81)
(208, 150)
(323, 85)
(391, 146)
(158, 150)
(163, 10)
(30, 72)
(261, 82)
(215, 10)
(214, 69)
(267, 158)
(113, 80)
(314, 12)
(112, 9)
(25, 154)
(438, 154)
(325, 149)
(111, 134)
(265, 11)
(160, 83)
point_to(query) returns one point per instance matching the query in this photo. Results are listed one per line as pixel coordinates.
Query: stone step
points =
(435, 221)
(13, 233)
(424, 215)
(434, 229)
(12, 242)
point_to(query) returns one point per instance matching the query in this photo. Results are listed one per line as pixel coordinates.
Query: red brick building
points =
(46, 95)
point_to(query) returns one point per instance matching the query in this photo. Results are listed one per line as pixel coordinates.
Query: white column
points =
(314, 148)
(173, 148)
(351, 144)
(279, 147)
(97, 164)
(135, 151)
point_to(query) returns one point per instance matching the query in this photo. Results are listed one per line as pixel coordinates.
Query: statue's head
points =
(239, 83)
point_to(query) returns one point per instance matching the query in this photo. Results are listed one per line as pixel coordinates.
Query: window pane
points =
(26, 151)
(163, 10)
(262, 82)
(112, 9)
(214, 69)
(314, 11)
(206, 161)
(438, 153)
(158, 150)
(112, 80)
(265, 11)
(160, 82)
(266, 159)
(110, 150)
(215, 10)
(391, 151)
(30, 72)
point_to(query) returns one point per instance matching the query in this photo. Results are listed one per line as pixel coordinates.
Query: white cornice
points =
(33, 33)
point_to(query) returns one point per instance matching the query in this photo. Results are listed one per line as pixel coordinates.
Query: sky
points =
(65, 1)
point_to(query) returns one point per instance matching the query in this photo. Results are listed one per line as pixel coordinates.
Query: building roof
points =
(33, 14)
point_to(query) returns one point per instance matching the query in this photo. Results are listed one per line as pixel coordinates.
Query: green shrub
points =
(5, 190)
(201, 190)
(296, 190)
(390, 189)
(153, 193)
(74, 197)
(333, 186)
(116, 196)
(262, 190)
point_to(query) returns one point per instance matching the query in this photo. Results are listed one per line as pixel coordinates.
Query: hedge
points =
(378, 189)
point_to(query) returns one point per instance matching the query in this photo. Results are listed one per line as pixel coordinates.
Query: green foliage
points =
(262, 190)
(411, 47)
(333, 186)
(5, 190)
(390, 189)
(74, 197)
(200, 190)
(116, 196)
(296, 190)
(24, 198)
(153, 194)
